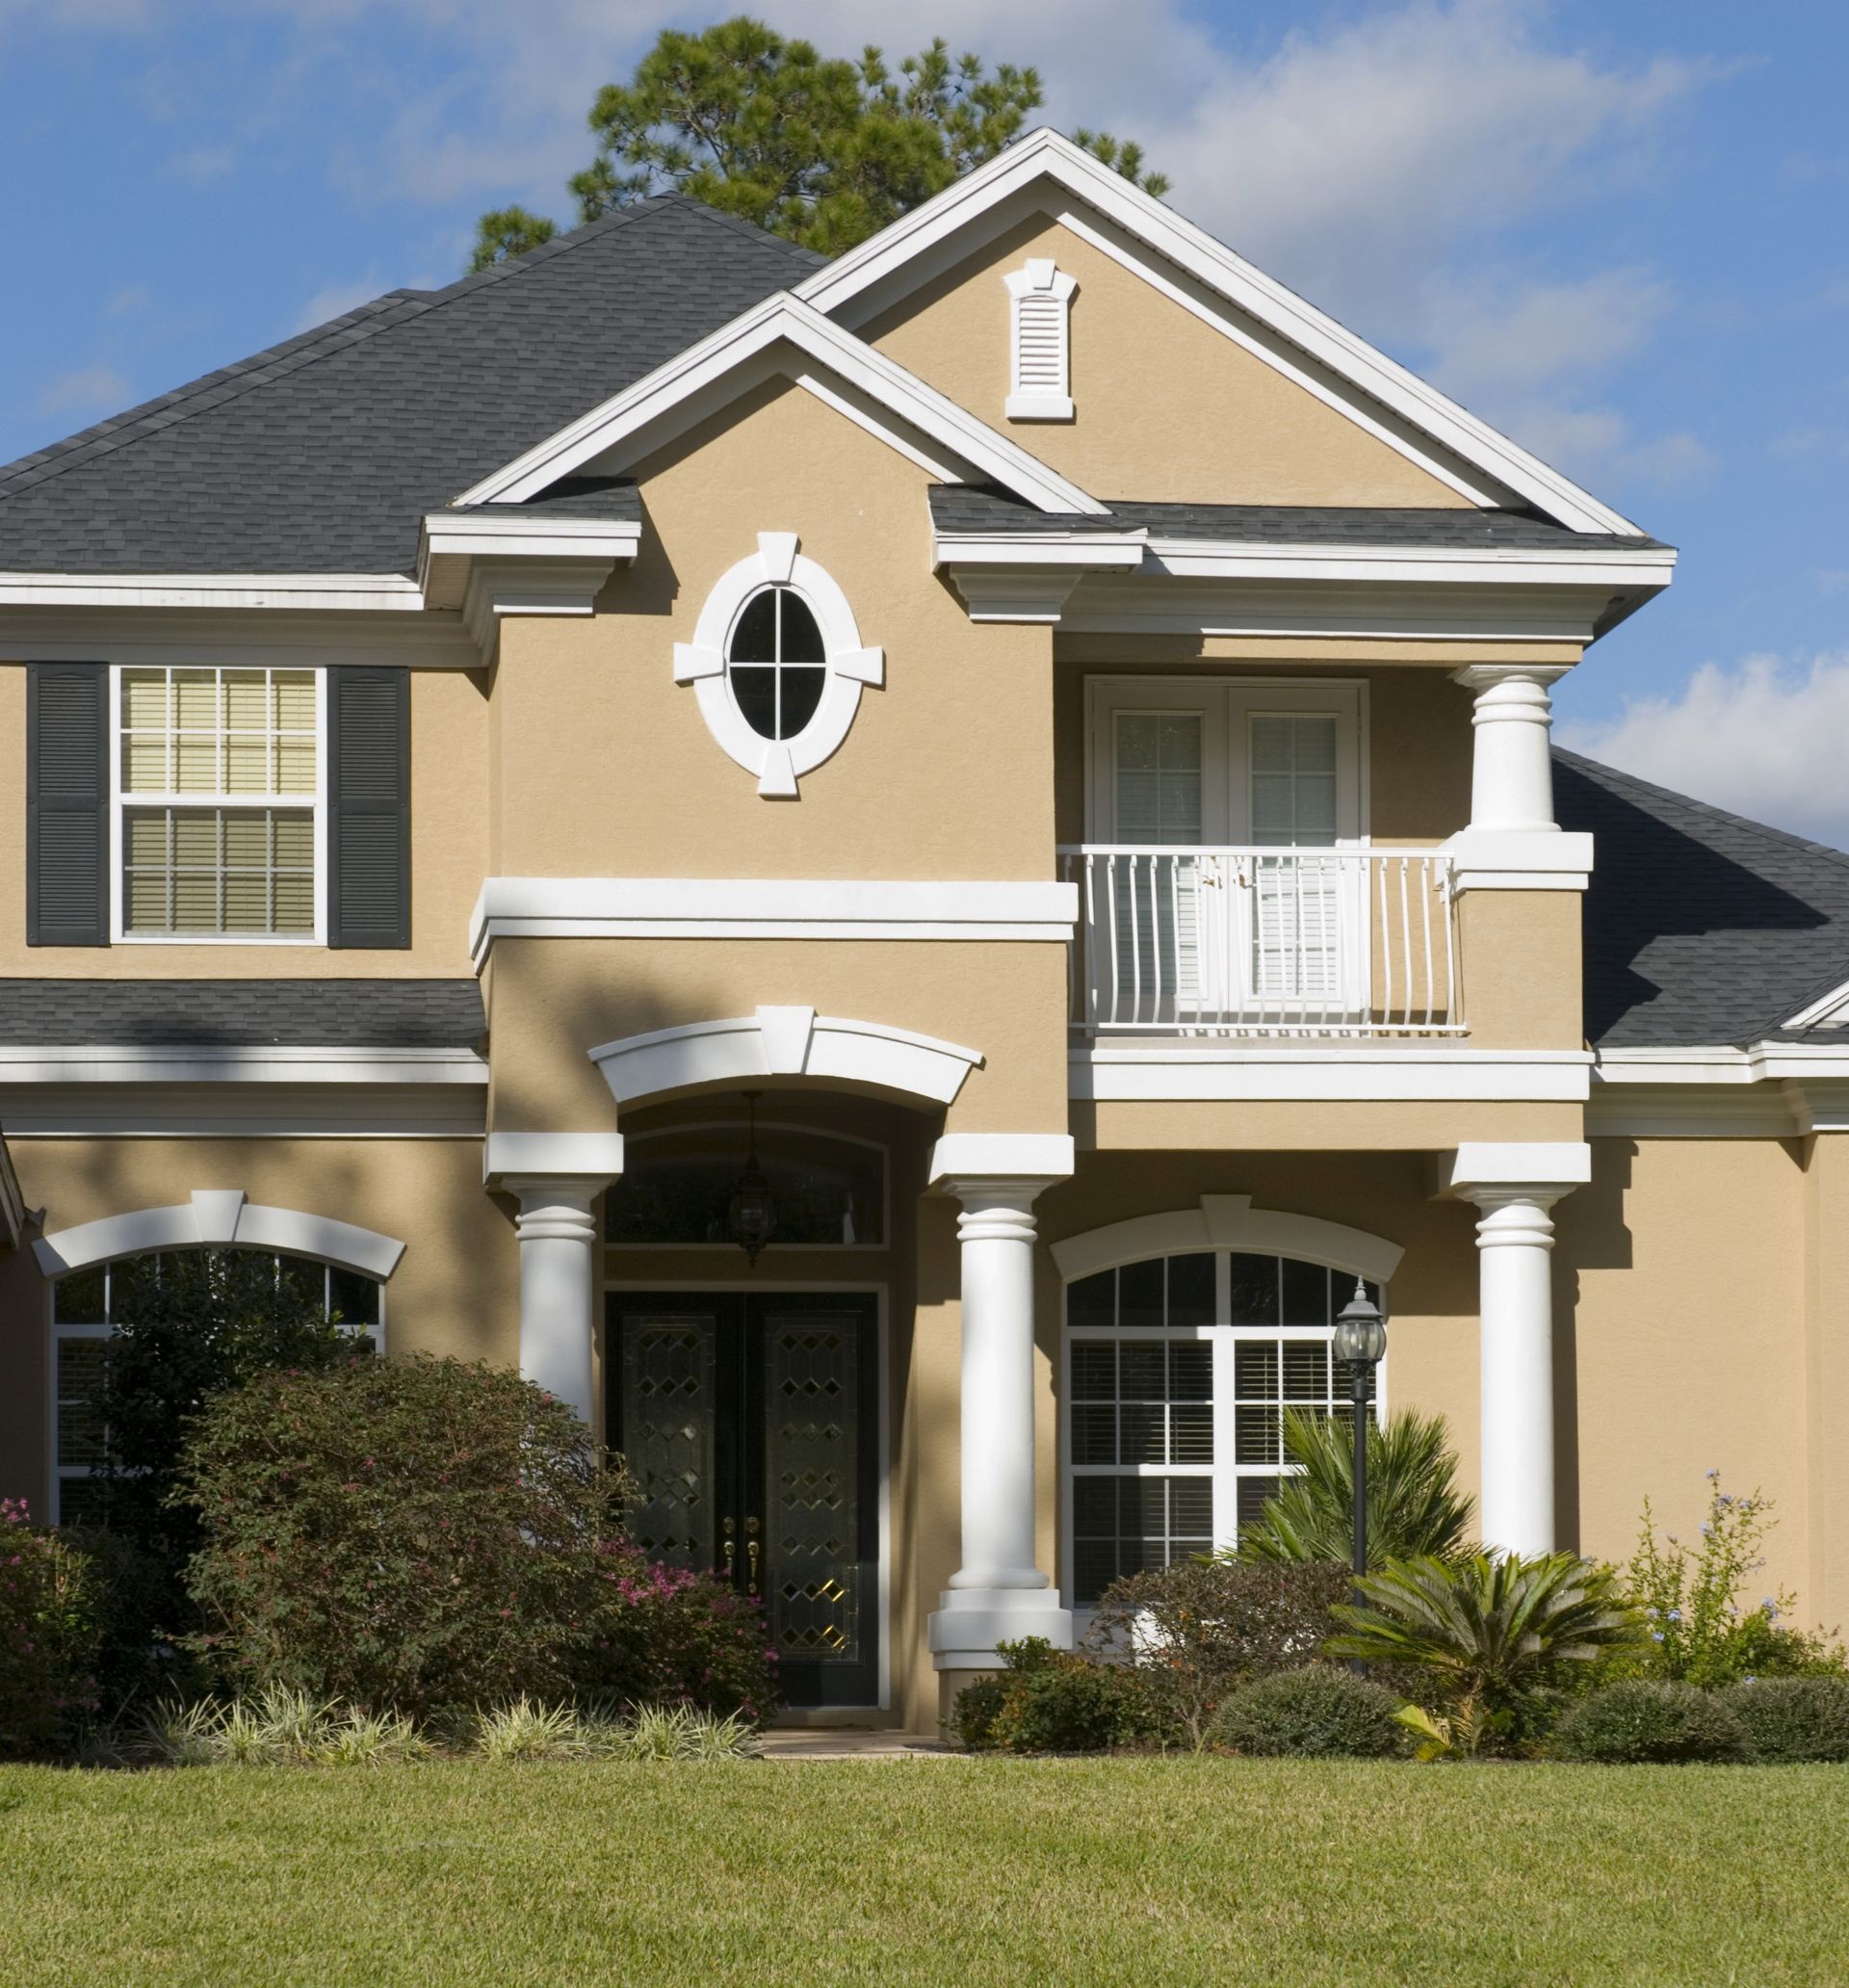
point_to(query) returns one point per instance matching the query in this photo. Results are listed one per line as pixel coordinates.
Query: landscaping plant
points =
(1488, 1630)
(1651, 1719)
(1415, 1506)
(1053, 1701)
(49, 1636)
(1193, 1631)
(1316, 1713)
(1788, 1720)
(414, 1535)
(278, 1728)
(1701, 1631)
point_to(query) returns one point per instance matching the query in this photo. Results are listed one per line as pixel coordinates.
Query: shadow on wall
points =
(1591, 1234)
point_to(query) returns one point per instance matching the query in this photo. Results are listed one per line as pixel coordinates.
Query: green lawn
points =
(947, 1871)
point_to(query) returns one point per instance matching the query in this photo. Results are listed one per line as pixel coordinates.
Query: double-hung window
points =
(218, 828)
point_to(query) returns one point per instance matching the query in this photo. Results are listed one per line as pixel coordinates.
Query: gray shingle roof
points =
(248, 1014)
(973, 508)
(1699, 927)
(570, 497)
(322, 454)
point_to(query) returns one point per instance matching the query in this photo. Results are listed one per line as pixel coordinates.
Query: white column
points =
(558, 1286)
(1511, 772)
(997, 1593)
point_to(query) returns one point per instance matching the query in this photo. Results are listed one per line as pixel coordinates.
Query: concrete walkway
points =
(849, 1742)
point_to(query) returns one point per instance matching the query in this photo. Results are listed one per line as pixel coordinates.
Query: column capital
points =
(1000, 1163)
(1497, 1173)
(591, 1159)
(1485, 676)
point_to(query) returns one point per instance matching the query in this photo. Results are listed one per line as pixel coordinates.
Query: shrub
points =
(47, 1636)
(1051, 1701)
(414, 1535)
(1311, 1713)
(1414, 1503)
(278, 1728)
(667, 1635)
(527, 1731)
(1193, 1631)
(1793, 1718)
(143, 1613)
(1700, 1631)
(1650, 1719)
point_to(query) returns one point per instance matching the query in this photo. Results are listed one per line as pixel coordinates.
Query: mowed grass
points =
(948, 1870)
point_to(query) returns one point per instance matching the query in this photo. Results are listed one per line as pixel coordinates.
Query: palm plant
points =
(1487, 1629)
(1415, 1508)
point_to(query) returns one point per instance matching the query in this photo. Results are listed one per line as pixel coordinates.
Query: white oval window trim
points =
(778, 763)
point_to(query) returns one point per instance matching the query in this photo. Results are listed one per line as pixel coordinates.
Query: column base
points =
(971, 1621)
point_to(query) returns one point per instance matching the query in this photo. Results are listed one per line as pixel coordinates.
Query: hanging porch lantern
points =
(751, 1215)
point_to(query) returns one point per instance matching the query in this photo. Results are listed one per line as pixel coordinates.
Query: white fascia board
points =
(1102, 552)
(349, 592)
(474, 536)
(1719, 1065)
(785, 319)
(189, 1063)
(1829, 1011)
(1046, 155)
(292, 638)
(288, 1110)
(1124, 1072)
(774, 908)
(1604, 566)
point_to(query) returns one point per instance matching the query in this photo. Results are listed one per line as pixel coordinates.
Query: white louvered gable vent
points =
(1040, 343)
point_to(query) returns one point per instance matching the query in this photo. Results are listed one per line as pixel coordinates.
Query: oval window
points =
(776, 662)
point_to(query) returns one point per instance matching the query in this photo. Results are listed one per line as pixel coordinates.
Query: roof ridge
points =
(1763, 830)
(302, 349)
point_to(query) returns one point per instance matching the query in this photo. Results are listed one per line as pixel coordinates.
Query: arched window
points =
(1179, 1370)
(90, 1304)
(828, 1191)
(777, 664)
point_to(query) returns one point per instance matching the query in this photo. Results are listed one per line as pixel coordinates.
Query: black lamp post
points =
(1360, 1342)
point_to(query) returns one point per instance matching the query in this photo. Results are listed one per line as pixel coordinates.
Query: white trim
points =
(1511, 1164)
(366, 592)
(784, 1042)
(1674, 1111)
(1101, 551)
(1517, 859)
(588, 1157)
(1722, 1063)
(1045, 156)
(642, 417)
(294, 639)
(703, 663)
(1106, 1071)
(779, 907)
(1042, 1157)
(1829, 1011)
(521, 533)
(220, 1216)
(268, 1064)
(1227, 1222)
(278, 1110)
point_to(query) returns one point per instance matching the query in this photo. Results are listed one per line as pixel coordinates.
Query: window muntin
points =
(676, 1188)
(86, 1307)
(1179, 1371)
(777, 663)
(219, 773)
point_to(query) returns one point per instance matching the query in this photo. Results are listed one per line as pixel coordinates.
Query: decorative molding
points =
(1724, 1064)
(1040, 342)
(1159, 1070)
(972, 1157)
(1229, 1221)
(785, 1041)
(267, 1063)
(779, 764)
(596, 1157)
(1674, 1111)
(649, 413)
(1295, 338)
(1519, 1169)
(705, 907)
(1520, 860)
(218, 1216)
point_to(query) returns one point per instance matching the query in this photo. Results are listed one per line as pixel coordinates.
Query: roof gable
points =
(1201, 275)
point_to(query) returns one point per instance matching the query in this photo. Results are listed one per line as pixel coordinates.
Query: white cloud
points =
(1764, 737)
(88, 389)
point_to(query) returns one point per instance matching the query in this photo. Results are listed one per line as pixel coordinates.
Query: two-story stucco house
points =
(1011, 769)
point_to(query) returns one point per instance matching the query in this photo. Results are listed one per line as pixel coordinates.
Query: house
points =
(1008, 773)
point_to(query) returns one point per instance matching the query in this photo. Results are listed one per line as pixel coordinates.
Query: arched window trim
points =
(220, 1216)
(735, 1128)
(778, 763)
(1181, 1234)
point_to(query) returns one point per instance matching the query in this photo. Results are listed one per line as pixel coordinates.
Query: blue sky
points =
(1617, 232)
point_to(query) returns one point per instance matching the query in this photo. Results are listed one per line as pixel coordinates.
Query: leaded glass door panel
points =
(750, 1422)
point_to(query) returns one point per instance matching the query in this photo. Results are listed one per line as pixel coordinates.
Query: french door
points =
(1207, 796)
(750, 1422)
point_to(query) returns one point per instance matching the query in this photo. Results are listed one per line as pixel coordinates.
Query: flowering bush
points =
(1700, 1632)
(668, 1636)
(47, 1636)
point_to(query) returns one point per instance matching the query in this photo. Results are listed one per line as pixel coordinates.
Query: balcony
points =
(1222, 942)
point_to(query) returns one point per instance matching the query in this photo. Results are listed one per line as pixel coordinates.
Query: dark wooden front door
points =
(750, 1422)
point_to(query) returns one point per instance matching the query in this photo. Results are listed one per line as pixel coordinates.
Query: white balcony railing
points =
(1263, 941)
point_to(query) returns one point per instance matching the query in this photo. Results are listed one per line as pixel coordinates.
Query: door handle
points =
(726, 1547)
(751, 1550)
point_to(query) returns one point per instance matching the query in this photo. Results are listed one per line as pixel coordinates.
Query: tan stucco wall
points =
(1168, 408)
(448, 859)
(1826, 1375)
(1314, 1125)
(1519, 951)
(605, 766)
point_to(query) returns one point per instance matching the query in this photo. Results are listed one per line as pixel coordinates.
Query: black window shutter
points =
(67, 804)
(368, 812)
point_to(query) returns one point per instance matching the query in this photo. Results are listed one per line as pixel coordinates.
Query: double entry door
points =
(1222, 807)
(750, 1423)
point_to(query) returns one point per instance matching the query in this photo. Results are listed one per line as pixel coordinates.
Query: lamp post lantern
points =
(1360, 1342)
